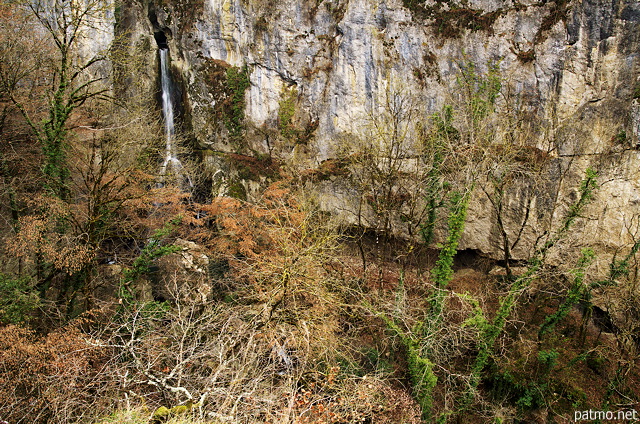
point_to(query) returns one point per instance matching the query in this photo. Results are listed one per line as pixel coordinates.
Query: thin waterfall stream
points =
(171, 160)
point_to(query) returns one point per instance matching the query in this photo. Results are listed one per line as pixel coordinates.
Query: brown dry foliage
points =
(268, 352)
(38, 235)
(55, 378)
(339, 399)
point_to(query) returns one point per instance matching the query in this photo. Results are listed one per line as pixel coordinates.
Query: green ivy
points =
(419, 366)
(142, 264)
(444, 133)
(236, 190)
(620, 268)
(548, 358)
(482, 90)
(423, 379)
(17, 299)
(443, 270)
(489, 333)
(577, 291)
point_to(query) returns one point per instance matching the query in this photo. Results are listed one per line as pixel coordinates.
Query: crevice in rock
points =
(161, 39)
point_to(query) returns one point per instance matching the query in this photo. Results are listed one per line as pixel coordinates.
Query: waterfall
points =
(171, 159)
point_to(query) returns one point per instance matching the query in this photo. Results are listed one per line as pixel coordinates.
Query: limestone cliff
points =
(575, 63)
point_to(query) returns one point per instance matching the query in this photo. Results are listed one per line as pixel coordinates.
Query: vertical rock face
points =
(575, 63)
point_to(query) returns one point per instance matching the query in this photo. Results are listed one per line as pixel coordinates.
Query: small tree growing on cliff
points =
(511, 169)
(391, 166)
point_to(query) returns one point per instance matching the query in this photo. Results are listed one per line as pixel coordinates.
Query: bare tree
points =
(513, 171)
(391, 167)
(47, 76)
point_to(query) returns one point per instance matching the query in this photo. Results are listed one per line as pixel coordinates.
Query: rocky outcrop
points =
(184, 275)
(574, 67)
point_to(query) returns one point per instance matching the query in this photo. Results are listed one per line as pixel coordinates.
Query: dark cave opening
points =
(161, 39)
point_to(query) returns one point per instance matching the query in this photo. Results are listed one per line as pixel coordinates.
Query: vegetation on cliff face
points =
(126, 301)
(450, 19)
(228, 84)
(237, 84)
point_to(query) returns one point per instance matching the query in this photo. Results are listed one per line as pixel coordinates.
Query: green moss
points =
(180, 409)
(286, 113)
(176, 415)
(237, 82)
(236, 189)
(161, 412)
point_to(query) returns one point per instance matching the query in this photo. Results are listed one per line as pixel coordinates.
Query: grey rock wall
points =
(576, 64)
